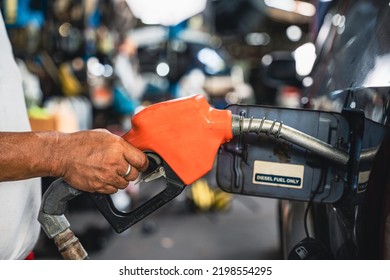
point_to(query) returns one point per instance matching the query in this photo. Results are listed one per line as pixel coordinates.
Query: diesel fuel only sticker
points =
(278, 174)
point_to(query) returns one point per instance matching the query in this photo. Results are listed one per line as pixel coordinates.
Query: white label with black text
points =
(278, 174)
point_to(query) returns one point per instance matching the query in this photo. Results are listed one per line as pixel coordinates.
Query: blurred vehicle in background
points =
(186, 63)
(351, 72)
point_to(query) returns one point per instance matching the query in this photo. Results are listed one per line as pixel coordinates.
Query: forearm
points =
(93, 161)
(28, 154)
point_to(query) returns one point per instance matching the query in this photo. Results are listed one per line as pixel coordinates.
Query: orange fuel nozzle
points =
(185, 132)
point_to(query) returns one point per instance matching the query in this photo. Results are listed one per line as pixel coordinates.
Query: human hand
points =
(97, 161)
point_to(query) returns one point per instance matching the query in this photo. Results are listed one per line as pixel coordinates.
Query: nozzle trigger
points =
(120, 221)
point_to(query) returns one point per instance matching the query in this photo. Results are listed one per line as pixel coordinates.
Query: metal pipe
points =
(69, 246)
(279, 130)
(54, 223)
(368, 154)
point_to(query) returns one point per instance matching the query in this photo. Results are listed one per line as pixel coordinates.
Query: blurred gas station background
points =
(95, 63)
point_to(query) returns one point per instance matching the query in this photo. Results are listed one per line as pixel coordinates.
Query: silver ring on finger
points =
(128, 171)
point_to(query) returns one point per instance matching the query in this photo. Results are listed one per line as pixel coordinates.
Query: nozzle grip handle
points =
(120, 221)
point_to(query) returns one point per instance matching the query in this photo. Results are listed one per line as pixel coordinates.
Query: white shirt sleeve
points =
(19, 200)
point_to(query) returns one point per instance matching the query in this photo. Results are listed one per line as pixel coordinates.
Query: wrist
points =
(57, 144)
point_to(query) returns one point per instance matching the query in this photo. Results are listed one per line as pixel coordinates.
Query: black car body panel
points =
(352, 71)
